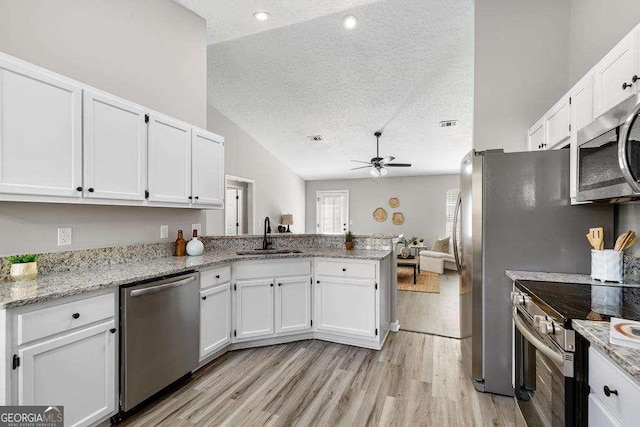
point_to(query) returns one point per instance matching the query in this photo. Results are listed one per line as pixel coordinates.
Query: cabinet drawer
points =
(346, 269)
(215, 276)
(603, 372)
(49, 321)
(272, 268)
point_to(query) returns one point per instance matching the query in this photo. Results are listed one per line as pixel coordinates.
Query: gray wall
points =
(521, 67)
(422, 201)
(149, 51)
(277, 188)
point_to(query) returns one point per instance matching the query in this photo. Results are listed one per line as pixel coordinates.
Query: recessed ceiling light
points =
(350, 22)
(261, 16)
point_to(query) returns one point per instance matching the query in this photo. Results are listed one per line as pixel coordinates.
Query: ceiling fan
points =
(378, 164)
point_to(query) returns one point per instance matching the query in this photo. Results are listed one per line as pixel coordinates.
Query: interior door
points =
(115, 148)
(332, 212)
(169, 160)
(40, 133)
(208, 168)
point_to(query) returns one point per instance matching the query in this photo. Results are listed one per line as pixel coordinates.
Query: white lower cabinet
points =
(253, 308)
(215, 319)
(346, 306)
(293, 304)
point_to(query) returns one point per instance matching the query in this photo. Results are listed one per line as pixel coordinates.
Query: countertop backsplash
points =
(632, 273)
(84, 259)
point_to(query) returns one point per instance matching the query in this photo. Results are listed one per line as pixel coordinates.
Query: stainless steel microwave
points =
(609, 156)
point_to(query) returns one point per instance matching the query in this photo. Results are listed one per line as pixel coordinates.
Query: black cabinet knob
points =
(318, 282)
(626, 85)
(112, 330)
(190, 197)
(217, 276)
(197, 197)
(608, 392)
(78, 188)
(635, 78)
(91, 190)
(204, 298)
(344, 269)
(279, 284)
(271, 284)
(75, 315)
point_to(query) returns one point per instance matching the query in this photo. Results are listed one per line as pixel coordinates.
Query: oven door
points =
(609, 156)
(540, 384)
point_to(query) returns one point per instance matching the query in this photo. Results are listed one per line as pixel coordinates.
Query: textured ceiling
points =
(407, 66)
(232, 19)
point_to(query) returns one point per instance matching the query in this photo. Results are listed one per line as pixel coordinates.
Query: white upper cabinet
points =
(114, 148)
(169, 160)
(581, 96)
(557, 123)
(536, 136)
(40, 133)
(614, 74)
(293, 304)
(207, 168)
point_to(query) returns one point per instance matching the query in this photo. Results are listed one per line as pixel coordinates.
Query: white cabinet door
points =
(536, 135)
(40, 133)
(599, 416)
(208, 168)
(254, 308)
(215, 319)
(76, 370)
(613, 74)
(557, 121)
(293, 304)
(115, 154)
(581, 99)
(346, 306)
(169, 160)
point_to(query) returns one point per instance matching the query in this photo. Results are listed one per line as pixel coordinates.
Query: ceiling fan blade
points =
(398, 165)
(387, 159)
(360, 167)
(360, 161)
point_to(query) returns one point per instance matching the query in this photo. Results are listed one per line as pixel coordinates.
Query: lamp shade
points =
(287, 219)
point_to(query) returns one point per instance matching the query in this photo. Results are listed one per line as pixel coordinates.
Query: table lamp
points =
(287, 219)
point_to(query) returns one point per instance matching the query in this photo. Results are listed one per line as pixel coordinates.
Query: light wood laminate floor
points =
(416, 379)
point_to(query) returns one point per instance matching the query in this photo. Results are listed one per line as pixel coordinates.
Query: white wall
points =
(521, 67)
(277, 188)
(149, 51)
(422, 201)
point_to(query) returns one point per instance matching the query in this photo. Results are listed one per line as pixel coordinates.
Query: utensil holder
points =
(607, 265)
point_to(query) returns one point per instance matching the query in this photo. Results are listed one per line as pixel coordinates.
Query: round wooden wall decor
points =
(398, 218)
(394, 202)
(380, 215)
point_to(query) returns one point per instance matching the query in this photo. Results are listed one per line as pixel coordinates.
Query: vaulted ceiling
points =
(407, 66)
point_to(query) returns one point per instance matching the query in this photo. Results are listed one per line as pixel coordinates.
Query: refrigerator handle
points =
(456, 216)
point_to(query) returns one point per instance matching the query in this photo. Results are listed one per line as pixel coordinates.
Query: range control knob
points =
(545, 327)
(519, 298)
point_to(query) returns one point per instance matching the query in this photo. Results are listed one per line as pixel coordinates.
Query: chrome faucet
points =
(267, 228)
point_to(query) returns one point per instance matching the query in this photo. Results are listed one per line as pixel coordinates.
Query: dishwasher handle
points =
(160, 288)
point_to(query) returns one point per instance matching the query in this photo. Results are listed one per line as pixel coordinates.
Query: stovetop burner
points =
(566, 301)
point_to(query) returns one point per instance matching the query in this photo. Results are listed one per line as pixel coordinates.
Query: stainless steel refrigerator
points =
(514, 213)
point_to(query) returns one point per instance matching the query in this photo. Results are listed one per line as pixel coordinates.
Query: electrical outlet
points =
(164, 231)
(64, 236)
(196, 227)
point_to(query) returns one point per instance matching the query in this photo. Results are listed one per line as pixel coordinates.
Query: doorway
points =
(238, 209)
(332, 212)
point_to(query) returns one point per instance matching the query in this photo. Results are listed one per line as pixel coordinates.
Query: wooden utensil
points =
(620, 240)
(597, 237)
(591, 242)
(626, 240)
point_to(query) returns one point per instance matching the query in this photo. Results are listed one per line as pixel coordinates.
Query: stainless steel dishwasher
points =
(160, 323)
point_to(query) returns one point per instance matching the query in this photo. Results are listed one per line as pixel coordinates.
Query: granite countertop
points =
(628, 359)
(585, 279)
(58, 285)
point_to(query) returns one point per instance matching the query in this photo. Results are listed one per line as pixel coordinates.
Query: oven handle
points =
(160, 288)
(622, 149)
(535, 341)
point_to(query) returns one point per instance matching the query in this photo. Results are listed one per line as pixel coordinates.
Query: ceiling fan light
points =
(383, 171)
(374, 172)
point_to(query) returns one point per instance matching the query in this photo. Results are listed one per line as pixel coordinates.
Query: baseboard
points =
(394, 326)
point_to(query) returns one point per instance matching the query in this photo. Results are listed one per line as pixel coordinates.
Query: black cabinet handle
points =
(78, 188)
(75, 315)
(271, 284)
(217, 276)
(344, 269)
(190, 197)
(608, 392)
(197, 197)
(635, 78)
(625, 85)
(318, 282)
(112, 330)
(204, 298)
(91, 190)
(279, 284)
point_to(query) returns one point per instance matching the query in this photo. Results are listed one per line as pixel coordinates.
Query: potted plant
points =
(23, 267)
(406, 252)
(348, 241)
(421, 241)
(414, 240)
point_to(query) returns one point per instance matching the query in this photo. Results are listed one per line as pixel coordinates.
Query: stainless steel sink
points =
(269, 252)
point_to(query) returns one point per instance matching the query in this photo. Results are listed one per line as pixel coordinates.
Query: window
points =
(332, 212)
(452, 200)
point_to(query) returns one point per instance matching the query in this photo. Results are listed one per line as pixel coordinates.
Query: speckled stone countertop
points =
(628, 359)
(539, 276)
(58, 285)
